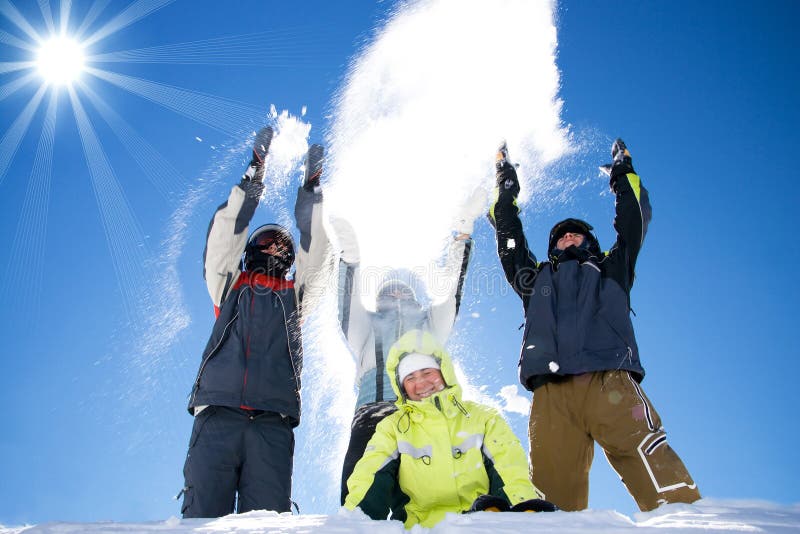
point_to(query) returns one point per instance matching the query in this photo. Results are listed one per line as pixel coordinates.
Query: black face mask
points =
(257, 261)
(575, 226)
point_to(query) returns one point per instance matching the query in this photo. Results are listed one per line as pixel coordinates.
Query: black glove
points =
(252, 189)
(489, 503)
(505, 173)
(534, 505)
(314, 160)
(621, 163)
(255, 170)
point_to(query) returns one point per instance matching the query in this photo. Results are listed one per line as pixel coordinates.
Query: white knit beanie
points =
(414, 361)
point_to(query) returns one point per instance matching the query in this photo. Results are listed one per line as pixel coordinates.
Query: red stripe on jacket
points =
(260, 280)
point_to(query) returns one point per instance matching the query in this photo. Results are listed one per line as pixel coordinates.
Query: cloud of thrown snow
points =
(421, 114)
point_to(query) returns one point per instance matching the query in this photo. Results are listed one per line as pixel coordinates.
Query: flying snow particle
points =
(199, 140)
(514, 402)
(553, 367)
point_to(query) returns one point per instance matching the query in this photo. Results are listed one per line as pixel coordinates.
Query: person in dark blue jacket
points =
(246, 397)
(579, 354)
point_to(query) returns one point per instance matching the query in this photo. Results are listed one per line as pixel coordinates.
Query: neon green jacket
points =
(436, 455)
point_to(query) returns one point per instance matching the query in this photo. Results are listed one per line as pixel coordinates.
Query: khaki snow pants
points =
(609, 407)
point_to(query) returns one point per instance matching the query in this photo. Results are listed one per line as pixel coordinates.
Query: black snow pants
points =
(238, 451)
(362, 429)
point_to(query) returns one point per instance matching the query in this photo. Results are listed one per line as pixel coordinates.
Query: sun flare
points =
(60, 60)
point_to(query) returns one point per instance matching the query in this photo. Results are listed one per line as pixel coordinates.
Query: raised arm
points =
(227, 237)
(228, 230)
(633, 212)
(443, 312)
(519, 263)
(313, 268)
(353, 315)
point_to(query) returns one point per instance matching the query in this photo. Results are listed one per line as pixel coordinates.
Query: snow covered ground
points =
(715, 515)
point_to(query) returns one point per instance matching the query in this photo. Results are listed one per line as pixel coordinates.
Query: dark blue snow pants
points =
(362, 429)
(238, 451)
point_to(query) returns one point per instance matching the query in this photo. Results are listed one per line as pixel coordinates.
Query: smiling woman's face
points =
(423, 383)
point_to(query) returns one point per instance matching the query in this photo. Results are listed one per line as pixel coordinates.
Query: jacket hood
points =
(577, 226)
(420, 342)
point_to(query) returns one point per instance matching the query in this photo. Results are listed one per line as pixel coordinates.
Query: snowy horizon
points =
(716, 515)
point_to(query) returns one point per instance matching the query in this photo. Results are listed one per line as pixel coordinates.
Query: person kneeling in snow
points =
(441, 453)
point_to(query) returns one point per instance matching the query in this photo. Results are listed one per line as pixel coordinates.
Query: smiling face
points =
(423, 383)
(570, 239)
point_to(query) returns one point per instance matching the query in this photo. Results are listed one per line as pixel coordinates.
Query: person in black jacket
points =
(579, 353)
(246, 397)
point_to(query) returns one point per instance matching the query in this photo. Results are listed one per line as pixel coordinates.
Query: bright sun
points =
(60, 60)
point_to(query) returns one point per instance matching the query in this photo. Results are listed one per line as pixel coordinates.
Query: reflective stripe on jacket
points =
(441, 452)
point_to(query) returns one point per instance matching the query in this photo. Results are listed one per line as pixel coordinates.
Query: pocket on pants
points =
(188, 497)
(200, 421)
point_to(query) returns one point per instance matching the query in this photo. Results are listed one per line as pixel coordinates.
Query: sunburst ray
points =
(9, 10)
(12, 138)
(12, 40)
(47, 14)
(97, 7)
(123, 232)
(162, 174)
(8, 89)
(66, 8)
(26, 259)
(269, 48)
(134, 12)
(224, 115)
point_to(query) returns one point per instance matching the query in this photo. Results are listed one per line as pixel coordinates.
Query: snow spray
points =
(416, 125)
(422, 111)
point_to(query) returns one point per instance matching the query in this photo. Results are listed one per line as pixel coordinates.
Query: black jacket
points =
(577, 306)
(254, 356)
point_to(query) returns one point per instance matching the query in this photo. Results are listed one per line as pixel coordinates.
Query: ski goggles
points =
(267, 239)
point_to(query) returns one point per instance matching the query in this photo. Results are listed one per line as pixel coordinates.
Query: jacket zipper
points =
(213, 351)
(289, 348)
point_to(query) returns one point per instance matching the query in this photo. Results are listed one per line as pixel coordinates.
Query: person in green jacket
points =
(439, 453)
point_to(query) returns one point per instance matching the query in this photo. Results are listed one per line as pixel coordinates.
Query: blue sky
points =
(704, 94)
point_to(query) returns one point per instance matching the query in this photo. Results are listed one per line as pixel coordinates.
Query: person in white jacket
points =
(399, 308)
(246, 397)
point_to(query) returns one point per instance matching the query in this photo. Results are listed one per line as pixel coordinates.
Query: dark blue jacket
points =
(577, 306)
(254, 356)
